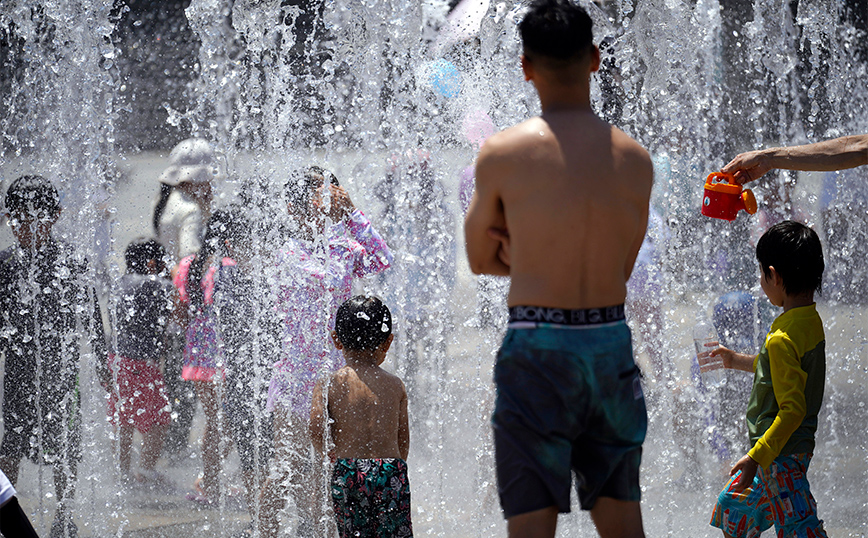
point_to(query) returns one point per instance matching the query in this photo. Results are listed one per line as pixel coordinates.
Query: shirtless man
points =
(570, 194)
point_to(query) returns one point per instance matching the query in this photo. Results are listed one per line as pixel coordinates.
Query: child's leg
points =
(125, 444)
(207, 393)
(273, 496)
(152, 445)
(787, 487)
(291, 475)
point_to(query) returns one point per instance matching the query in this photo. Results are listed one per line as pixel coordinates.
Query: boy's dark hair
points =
(794, 250)
(142, 250)
(301, 184)
(363, 323)
(33, 195)
(556, 29)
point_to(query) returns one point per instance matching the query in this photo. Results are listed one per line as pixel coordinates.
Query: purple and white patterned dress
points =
(315, 278)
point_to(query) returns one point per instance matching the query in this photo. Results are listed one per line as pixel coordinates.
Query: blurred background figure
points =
(250, 336)
(330, 243)
(419, 228)
(138, 399)
(179, 218)
(194, 280)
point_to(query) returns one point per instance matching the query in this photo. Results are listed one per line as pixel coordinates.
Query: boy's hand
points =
(748, 468)
(714, 358)
(502, 235)
(722, 357)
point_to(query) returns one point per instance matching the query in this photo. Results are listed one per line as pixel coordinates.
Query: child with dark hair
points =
(45, 296)
(194, 279)
(142, 314)
(363, 409)
(768, 485)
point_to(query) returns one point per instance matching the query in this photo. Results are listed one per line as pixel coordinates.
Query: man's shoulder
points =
(631, 150)
(503, 143)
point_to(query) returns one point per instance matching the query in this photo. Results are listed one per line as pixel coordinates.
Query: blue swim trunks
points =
(779, 496)
(568, 399)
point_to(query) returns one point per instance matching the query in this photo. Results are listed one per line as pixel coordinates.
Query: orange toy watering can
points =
(723, 199)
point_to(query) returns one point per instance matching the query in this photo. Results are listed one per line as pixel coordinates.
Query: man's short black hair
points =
(556, 29)
(794, 250)
(32, 195)
(141, 251)
(363, 323)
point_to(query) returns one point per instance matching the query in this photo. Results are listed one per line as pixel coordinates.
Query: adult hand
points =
(748, 166)
(748, 468)
(501, 235)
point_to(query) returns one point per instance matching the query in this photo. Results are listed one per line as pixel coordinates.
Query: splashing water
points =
(395, 98)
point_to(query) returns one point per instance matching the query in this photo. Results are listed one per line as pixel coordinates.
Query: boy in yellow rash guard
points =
(768, 485)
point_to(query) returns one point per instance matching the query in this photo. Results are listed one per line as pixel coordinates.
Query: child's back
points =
(368, 406)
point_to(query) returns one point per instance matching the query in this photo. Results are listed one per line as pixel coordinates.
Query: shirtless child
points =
(561, 206)
(366, 414)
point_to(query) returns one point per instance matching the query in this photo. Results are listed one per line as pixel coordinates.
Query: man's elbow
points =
(862, 147)
(477, 267)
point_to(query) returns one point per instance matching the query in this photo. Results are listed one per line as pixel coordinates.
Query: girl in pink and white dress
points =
(332, 242)
(194, 279)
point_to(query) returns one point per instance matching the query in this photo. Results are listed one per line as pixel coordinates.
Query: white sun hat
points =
(191, 161)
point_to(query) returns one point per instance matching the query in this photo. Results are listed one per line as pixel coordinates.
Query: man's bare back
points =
(369, 409)
(572, 192)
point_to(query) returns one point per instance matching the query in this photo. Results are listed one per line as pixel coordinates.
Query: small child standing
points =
(142, 315)
(364, 409)
(768, 485)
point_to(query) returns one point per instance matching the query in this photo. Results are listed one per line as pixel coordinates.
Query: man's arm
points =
(486, 211)
(829, 155)
(643, 169)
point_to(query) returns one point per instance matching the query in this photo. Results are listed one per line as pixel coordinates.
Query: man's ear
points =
(527, 68)
(595, 58)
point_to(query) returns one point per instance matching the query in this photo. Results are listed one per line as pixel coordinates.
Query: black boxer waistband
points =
(566, 316)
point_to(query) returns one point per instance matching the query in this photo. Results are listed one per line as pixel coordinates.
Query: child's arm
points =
(403, 426)
(376, 256)
(318, 419)
(99, 345)
(731, 360)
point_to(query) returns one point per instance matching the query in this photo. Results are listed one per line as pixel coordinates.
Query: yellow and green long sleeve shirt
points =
(788, 385)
